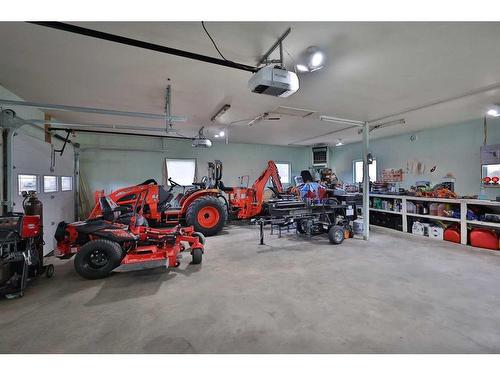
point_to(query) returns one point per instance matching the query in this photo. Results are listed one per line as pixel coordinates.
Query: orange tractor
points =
(203, 206)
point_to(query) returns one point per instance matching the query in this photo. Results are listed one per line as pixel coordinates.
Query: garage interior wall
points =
(452, 149)
(31, 155)
(111, 169)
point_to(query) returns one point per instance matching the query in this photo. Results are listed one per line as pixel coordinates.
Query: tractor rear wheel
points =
(207, 215)
(97, 258)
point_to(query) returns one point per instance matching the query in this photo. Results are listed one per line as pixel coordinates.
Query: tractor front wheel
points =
(207, 215)
(97, 258)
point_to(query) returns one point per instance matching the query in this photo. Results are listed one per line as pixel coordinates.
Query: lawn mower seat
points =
(109, 209)
(306, 176)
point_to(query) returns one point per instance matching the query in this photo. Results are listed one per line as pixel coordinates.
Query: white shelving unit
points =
(463, 203)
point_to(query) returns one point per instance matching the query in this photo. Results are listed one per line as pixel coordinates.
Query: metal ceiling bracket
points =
(279, 43)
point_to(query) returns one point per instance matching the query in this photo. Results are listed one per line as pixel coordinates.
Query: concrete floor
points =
(398, 293)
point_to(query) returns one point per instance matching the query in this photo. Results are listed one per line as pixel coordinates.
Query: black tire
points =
(201, 236)
(300, 226)
(97, 258)
(336, 235)
(49, 271)
(197, 255)
(203, 203)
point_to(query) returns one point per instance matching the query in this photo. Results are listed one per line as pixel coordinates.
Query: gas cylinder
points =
(33, 206)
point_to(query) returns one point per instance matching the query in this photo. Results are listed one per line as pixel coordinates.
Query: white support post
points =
(463, 223)
(366, 183)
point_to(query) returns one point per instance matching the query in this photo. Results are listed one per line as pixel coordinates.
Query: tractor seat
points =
(164, 199)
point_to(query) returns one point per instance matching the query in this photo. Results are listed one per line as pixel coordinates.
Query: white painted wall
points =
(454, 148)
(31, 155)
(111, 169)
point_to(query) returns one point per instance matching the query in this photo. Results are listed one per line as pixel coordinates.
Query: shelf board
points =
(386, 211)
(444, 218)
(484, 223)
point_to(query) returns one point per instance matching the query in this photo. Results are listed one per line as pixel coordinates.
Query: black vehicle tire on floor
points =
(197, 255)
(300, 226)
(49, 271)
(336, 235)
(201, 236)
(97, 258)
(207, 215)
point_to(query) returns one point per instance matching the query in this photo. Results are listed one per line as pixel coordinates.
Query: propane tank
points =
(33, 206)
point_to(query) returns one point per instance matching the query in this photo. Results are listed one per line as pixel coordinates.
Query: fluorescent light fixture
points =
(341, 120)
(311, 59)
(302, 68)
(494, 111)
(220, 112)
(216, 135)
(339, 143)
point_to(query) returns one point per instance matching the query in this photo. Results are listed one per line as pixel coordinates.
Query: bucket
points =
(357, 226)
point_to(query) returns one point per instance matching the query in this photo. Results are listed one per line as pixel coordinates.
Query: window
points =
(66, 183)
(49, 184)
(357, 166)
(181, 171)
(284, 171)
(26, 182)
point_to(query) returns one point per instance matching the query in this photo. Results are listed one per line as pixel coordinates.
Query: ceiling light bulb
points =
(493, 112)
(317, 59)
(216, 135)
(222, 133)
(339, 143)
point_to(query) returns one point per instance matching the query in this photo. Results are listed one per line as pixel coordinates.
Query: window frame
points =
(354, 170)
(43, 184)
(71, 179)
(181, 159)
(289, 164)
(37, 182)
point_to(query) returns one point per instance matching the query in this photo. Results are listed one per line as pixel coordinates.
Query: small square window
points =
(49, 184)
(26, 182)
(284, 172)
(66, 183)
(181, 171)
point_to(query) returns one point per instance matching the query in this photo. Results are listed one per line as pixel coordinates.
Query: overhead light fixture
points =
(222, 133)
(339, 143)
(220, 112)
(341, 120)
(494, 111)
(312, 59)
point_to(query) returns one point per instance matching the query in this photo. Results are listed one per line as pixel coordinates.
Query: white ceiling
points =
(373, 69)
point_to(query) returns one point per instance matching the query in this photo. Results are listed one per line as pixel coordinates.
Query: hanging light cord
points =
(213, 42)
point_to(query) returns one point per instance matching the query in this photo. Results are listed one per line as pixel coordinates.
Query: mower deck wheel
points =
(49, 271)
(336, 235)
(197, 256)
(97, 258)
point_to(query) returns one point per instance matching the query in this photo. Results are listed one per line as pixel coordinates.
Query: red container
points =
(30, 226)
(452, 235)
(485, 238)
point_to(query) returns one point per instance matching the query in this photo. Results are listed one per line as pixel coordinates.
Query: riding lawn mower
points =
(120, 236)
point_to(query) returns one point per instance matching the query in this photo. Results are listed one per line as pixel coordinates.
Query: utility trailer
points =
(310, 218)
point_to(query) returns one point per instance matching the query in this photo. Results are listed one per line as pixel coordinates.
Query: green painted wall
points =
(110, 169)
(453, 148)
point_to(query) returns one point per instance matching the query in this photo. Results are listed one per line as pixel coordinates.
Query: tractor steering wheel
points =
(173, 183)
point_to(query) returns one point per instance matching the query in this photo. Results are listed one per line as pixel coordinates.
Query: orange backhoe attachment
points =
(248, 201)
